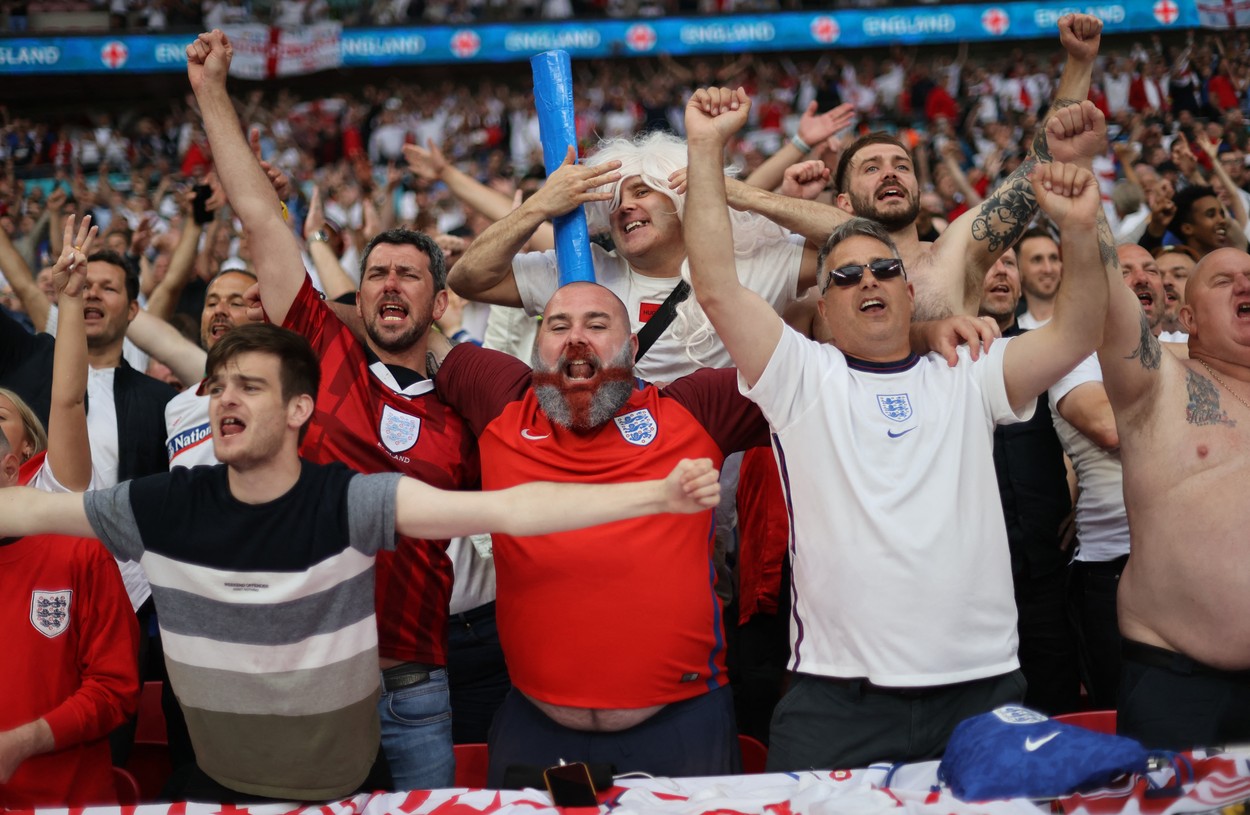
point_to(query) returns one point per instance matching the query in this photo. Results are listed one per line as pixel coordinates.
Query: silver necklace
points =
(1225, 384)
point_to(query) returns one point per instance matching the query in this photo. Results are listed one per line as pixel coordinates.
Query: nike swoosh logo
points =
(1032, 744)
(894, 435)
(527, 435)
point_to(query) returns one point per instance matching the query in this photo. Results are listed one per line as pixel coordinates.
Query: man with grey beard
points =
(613, 635)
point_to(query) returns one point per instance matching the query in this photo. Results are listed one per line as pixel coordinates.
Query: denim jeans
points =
(416, 734)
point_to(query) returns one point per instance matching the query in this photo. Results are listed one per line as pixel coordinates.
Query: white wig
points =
(654, 157)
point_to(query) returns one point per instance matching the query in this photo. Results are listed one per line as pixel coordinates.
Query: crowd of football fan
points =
(370, 281)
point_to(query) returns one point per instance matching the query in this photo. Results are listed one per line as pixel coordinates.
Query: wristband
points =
(286, 214)
(800, 145)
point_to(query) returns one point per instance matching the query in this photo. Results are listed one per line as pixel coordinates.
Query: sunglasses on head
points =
(883, 269)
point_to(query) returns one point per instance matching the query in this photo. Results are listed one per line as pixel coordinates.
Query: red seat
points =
(127, 787)
(471, 762)
(151, 767)
(754, 754)
(1100, 721)
(150, 724)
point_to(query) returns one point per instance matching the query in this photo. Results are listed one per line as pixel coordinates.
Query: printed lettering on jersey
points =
(398, 431)
(49, 611)
(647, 310)
(188, 438)
(638, 427)
(895, 406)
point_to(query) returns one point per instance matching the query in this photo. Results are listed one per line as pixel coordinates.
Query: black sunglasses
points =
(883, 269)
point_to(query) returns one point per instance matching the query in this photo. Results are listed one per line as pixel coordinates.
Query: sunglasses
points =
(884, 269)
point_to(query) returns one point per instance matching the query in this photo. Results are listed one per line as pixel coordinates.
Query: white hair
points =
(653, 157)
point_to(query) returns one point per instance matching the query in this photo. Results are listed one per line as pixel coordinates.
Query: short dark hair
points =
(867, 140)
(422, 241)
(1185, 200)
(225, 272)
(120, 261)
(1035, 232)
(865, 227)
(299, 370)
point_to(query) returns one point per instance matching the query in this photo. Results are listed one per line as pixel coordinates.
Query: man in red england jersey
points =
(614, 634)
(374, 412)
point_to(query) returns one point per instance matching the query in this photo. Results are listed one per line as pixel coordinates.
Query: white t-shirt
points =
(899, 548)
(772, 272)
(188, 433)
(1028, 321)
(1174, 336)
(102, 437)
(1101, 523)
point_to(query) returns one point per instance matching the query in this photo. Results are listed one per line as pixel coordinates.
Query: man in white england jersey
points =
(904, 621)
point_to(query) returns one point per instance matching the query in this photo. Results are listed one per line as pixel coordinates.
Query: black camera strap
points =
(662, 317)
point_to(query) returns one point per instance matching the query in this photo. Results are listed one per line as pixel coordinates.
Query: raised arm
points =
(164, 298)
(275, 252)
(484, 273)
(18, 273)
(164, 343)
(27, 511)
(423, 511)
(430, 163)
(69, 452)
(813, 129)
(746, 323)
(1069, 195)
(975, 240)
(334, 279)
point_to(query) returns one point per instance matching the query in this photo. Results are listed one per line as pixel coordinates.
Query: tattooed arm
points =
(972, 244)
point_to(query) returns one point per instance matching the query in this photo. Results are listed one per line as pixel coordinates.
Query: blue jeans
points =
(416, 734)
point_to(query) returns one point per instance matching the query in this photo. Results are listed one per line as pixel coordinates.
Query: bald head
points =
(1227, 260)
(586, 295)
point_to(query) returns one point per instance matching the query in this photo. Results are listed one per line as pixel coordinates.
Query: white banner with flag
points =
(264, 52)
(1224, 13)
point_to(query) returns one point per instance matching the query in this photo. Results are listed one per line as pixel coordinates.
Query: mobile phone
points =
(570, 785)
(199, 208)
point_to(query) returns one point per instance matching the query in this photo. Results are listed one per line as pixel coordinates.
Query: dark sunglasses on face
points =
(883, 269)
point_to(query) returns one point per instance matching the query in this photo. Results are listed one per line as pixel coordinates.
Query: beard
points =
(583, 407)
(865, 206)
(398, 343)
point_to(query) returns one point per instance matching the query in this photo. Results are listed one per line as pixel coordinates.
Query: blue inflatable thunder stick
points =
(553, 99)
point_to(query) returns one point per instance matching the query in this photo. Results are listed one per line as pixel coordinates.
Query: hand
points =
(69, 273)
(316, 217)
(1206, 145)
(453, 244)
(692, 486)
(572, 185)
(394, 176)
(715, 114)
(277, 179)
(1076, 134)
(1067, 193)
(56, 199)
(1080, 34)
(1162, 211)
(217, 198)
(208, 60)
(141, 238)
(1183, 156)
(945, 336)
(805, 180)
(677, 181)
(251, 299)
(814, 128)
(428, 163)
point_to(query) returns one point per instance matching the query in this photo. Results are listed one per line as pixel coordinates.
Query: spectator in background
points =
(1041, 270)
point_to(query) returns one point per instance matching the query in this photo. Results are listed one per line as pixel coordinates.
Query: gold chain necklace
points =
(1225, 384)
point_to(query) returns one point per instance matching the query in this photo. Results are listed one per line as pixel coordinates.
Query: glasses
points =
(884, 269)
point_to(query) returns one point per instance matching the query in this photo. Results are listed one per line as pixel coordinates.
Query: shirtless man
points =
(1184, 601)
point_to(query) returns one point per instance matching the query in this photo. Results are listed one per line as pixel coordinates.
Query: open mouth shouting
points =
(1147, 299)
(392, 311)
(218, 327)
(231, 426)
(872, 305)
(90, 312)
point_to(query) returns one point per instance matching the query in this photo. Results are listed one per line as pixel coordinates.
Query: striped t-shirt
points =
(266, 617)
